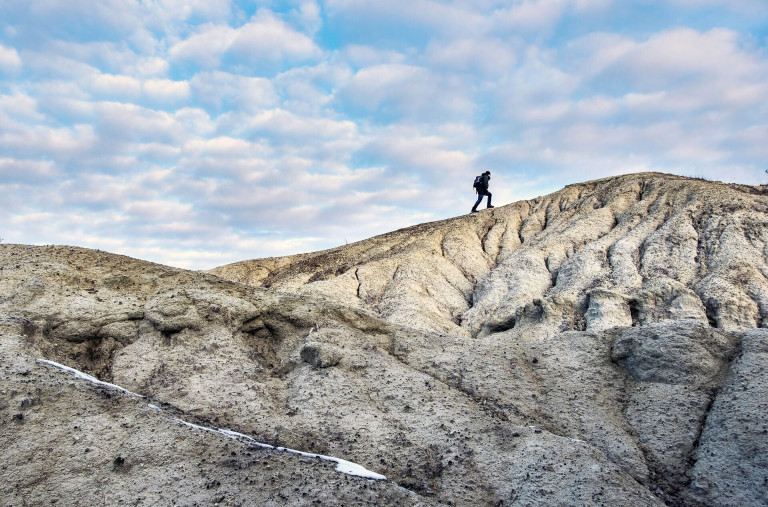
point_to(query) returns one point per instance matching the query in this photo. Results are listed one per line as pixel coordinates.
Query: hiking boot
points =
(473, 210)
(489, 207)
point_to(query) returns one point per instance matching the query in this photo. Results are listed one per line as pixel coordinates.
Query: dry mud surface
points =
(602, 345)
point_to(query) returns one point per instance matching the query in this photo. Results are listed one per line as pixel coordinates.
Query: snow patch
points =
(89, 378)
(195, 426)
(343, 466)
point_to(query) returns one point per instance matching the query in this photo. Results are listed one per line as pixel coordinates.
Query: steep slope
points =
(70, 441)
(670, 255)
(600, 345)
(649, 247)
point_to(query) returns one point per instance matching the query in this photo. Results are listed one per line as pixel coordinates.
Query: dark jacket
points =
(483, 186)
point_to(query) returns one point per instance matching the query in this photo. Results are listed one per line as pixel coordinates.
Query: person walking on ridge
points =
(481, 185)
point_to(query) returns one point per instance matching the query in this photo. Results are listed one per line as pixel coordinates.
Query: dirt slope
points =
(604, 344)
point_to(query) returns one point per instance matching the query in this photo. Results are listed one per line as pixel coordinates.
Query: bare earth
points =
(602, 345)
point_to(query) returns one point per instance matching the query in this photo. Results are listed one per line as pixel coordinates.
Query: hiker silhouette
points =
(481, 186)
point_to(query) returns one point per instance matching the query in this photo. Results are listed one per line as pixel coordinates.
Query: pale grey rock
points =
(124, 332)
(732, 458)
(607, 309)
(576, 348)
(518, 280)
(666, 299)
(321, 355)
(675, 368)
(675, 352)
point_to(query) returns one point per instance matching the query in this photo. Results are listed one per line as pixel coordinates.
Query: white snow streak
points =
(343, 466)
(85, 376)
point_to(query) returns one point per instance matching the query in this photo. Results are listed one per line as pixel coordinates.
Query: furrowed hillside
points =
(602, 345)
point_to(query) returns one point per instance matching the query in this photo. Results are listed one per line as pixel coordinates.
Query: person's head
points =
(488, 173)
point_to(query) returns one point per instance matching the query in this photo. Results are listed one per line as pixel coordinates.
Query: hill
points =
(604, 344)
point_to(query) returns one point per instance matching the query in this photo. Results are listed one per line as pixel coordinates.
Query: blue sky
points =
(201, 132)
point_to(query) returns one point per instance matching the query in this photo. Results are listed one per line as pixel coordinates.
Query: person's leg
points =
(479, 198)
(489, 198)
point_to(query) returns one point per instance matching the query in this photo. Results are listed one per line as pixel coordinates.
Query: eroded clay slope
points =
(633, 249)
(603, 345)
(291, 371)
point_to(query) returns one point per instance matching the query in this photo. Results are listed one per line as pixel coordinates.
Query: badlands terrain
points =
(602, 345)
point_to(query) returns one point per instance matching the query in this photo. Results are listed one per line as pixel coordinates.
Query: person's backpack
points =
(478, 180)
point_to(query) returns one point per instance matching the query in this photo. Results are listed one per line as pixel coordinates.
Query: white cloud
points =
(185, 9)
(166, 90)
(309, 90)
(434, 17)
(37, 141)
(434, 158)
(205, 47)
(284, 125)
(268, 37)
(109, 57)
(592, 53)
(118, 21)
(489, 56)
(239, 92)
(115, 18)
(666, 58)
(69, 109)
(146, 67)
(264, 38)
(534, 15)
(225, 146)
(114, 86)
(59, 88)
(158, 151)
(128, 123)
(171, 212)
(598, 106)
(29, 171)
(537, 91)
(94, 192)
(47, 66)
(307, 16)
(456, 19)
(531, 14)
(683, 52)
(392, 91)
(750, 7)
(367, 56)
(693, 77)
(195, 120)
(10, 61)
(752, 141)
(19, 106)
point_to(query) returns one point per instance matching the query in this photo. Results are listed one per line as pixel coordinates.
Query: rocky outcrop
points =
(733, 448)
(600, 345)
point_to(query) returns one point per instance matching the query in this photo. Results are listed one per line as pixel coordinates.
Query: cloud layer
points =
(196, 133)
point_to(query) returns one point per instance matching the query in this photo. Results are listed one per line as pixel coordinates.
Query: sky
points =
(195, 133)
